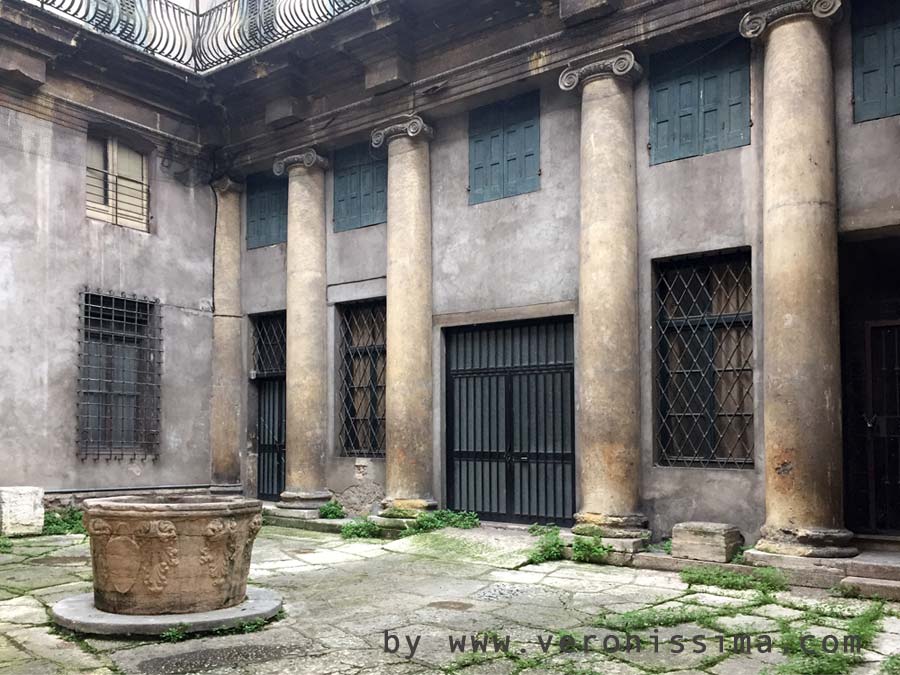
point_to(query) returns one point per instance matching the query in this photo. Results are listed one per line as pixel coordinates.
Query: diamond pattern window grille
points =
(269, 345)
(704, 351)
(119, 376)
(362, 353)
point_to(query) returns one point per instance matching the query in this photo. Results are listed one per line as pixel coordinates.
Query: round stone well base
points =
(79, 614)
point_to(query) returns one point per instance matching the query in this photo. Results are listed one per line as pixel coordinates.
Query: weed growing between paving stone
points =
(360, 528)
(765, 579)
(590, 549)
(891, 665)
(664, 546)
(549, 547)
(332, 509)
(63, 522)
(428, 521)
(651, 617)
(179, 633)
(811, 658)
(738, 558)
(846, 591)
(5, 545)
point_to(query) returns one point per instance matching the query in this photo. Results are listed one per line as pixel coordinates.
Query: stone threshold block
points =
(21, 510)
(711, 542)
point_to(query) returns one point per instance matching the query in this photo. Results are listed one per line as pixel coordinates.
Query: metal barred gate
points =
(269, 346)
(511, 420)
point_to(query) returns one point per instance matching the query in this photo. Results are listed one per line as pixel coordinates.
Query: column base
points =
(304, 504)
(405, 508)
(626, 526)
(807, 542)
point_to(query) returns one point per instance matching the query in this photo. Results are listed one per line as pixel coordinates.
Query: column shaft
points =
(306, 371)
(409, 315)
(607, 336)
(802, 395)
(227, 355)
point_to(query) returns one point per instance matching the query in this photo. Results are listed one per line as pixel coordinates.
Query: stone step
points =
(872, 565)
(881, 588)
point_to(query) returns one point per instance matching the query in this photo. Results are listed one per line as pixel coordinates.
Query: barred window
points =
(704, 349)
(269, 345)
(119, 376)
(362, 357)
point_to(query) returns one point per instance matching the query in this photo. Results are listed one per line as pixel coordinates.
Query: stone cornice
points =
(307, 158)
(412, 126)
(754, 24)
(622, 64)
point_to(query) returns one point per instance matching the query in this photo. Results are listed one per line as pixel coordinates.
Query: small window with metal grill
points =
(119, 376)
(362, 366)
(269, 345)
(704, 352)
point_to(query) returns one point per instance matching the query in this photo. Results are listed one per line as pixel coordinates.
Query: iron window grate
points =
(119, 376)
(362, 378)
(269, 345)
(704, 352)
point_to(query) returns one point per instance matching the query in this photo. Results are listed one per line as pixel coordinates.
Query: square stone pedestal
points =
(711, 542)
(21, 510)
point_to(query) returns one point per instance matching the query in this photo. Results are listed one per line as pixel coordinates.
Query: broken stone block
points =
(21, 510)
(712, 542)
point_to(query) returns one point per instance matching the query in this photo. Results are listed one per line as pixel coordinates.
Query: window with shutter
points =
(360, 188)
(266, 210)
(699, 100)
(876, 60)
(505, 149)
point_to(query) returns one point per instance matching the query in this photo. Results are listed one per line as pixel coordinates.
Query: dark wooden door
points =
(510, 420)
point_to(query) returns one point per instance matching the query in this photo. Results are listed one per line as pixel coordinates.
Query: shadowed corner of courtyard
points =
(371, 606)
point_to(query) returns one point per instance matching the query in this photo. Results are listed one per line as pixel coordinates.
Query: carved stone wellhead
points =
(171, 555)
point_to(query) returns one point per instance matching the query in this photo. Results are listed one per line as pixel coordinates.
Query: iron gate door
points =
(270, 447)
(511, 421)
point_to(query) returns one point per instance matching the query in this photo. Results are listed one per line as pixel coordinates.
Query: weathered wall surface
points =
(49, 252)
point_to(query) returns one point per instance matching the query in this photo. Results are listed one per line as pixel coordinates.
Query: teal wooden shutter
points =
(662, 133)
(266, 211)
(870, 52)
(710, 103)
(892, 42)
(735, 112)
(522, 145)
(380, 192)
(485, 154)
(360, 188)
(687, 116)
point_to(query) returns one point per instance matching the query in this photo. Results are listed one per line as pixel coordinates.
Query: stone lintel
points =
(754, 24)
(411, 125)
(581, 70)
(578, 11)
(22, 68)
(307, 158)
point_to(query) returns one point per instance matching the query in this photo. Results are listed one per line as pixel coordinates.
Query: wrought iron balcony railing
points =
(202, 40)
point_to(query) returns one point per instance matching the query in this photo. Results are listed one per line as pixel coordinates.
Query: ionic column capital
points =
(307, 158)
(581, 71)
(412, 126)
(754, 24)
(227, 184)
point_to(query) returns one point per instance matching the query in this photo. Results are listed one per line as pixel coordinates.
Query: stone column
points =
(606, 348)
(802, 381)
(306, 377)
(408, 390)
(227, 353)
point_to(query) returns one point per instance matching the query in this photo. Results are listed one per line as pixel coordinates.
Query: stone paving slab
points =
(340, 597)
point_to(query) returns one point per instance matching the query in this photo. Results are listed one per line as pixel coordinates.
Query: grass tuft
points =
(590, 549)
(428, 521)
(360, 528)
(765, 579)
(63, 522)
(550, 545)
(5, 545)
(332, 509)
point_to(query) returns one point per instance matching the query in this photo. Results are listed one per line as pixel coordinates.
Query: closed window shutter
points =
(360, 188)
(254, 209)
(380, 192)
(687, 116)
(870, 53)
(735, 110)
(522, 141)
(485, 154)
(892, 40)
(281, 209)
(266, 212)
(710, 110)
(366, 194)
(662, 132)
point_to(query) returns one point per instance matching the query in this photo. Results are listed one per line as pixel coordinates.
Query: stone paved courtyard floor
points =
(341, 596)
